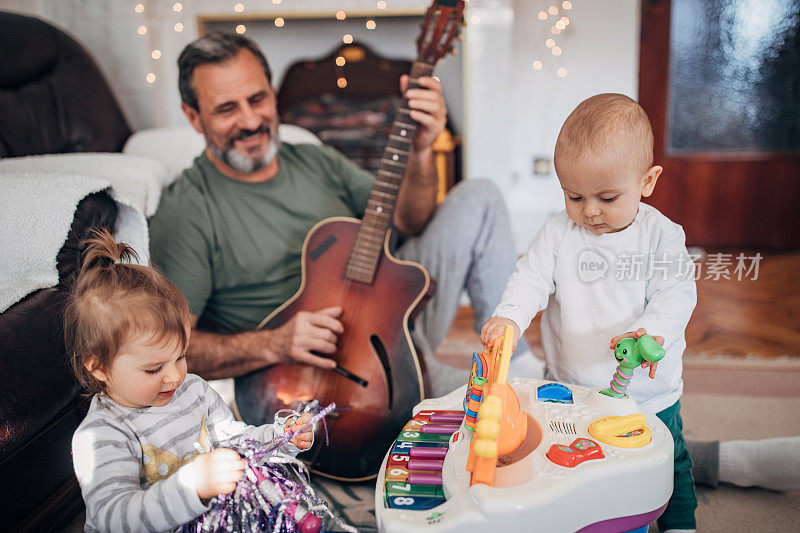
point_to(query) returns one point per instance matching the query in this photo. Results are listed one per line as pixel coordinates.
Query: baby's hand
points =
(217, 472)
(304, 439)
(495, 327)
(635, 335)
(653, 367)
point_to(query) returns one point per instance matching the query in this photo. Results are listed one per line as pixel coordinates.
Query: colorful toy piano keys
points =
(426, 427)
(414, 503)
(398, 460)
(405, 446)
(426, 465)
(420, 436)
(440, 417)
(413, 474)
(400, 488)
(427, 452)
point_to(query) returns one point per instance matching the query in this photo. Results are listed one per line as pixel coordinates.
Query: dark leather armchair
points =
(53, 99)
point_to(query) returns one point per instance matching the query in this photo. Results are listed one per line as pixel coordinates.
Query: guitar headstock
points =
(442, 23)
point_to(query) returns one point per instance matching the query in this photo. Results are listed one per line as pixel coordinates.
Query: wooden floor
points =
(750, 317)
(735, 321)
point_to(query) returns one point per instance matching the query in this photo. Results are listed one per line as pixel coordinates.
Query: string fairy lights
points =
(146, 17)
(141, 29)
(558, 24)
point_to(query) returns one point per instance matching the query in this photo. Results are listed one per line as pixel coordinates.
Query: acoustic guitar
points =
(346, 262)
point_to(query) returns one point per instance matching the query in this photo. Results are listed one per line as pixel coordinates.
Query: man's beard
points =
(244, 163)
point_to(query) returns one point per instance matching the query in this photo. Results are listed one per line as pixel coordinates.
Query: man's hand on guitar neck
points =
(220, 355)
(416, 199)
(428, 109)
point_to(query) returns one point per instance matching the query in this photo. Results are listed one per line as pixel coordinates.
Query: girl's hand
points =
(217, 472)
(495, 327)
(304, 439)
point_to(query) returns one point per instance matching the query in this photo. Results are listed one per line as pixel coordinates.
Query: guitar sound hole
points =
(383, 355)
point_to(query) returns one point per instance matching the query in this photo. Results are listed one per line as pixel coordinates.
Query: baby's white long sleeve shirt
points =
(594, 287)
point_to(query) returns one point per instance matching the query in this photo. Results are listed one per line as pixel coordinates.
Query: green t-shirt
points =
(234, 248)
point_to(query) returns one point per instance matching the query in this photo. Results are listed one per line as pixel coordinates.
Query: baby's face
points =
(600, 196)
(144, 374)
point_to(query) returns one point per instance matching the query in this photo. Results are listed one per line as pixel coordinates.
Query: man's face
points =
(237, 113)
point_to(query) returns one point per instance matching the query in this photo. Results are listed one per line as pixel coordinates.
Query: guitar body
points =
(375, 346)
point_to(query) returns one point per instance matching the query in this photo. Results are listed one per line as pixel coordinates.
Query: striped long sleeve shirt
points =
(134, 464)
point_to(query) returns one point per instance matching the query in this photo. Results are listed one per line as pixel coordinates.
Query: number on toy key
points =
(398, 457)
(397, 472)
(411, 434)
(406, 486)
(403, 500)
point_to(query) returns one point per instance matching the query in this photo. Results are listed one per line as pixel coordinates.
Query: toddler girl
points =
(146, 455)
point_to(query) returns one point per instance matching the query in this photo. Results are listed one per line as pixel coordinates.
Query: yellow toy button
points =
(621, 431)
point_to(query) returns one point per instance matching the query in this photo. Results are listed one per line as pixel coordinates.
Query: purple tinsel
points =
(248, 508)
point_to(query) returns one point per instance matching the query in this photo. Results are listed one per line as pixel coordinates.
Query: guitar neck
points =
(382, 200)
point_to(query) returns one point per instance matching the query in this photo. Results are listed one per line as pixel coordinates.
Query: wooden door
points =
(720, 80)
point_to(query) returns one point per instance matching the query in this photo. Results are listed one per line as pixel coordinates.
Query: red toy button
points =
(579, 451)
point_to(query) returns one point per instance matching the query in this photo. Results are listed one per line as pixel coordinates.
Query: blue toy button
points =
(554, 393)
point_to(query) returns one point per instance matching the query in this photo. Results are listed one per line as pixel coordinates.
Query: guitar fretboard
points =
(382, 200)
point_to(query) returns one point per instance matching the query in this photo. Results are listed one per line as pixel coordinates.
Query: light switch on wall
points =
(541, 165)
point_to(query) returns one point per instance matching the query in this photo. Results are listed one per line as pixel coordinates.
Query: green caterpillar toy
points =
(631, 353)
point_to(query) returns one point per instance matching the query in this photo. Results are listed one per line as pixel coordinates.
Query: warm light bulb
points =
(347, 39)
(537, 65)
(151, 78)
(238, 7)
(550, 43)
(279, 22)
(177, 7)
(556, 51)
(553, 10)
(566, 4)
(241, 28)
(340, 61)
(178, 27)
(276, 2)
(560, 25)
(562, 72)
(342, 83)
(381, 5)
(554, 30)
(142, 30)
(139, 8)
(341, 15)
(156, 54)
(542, 15)
(370, 24)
